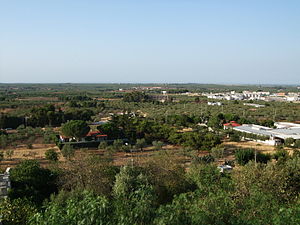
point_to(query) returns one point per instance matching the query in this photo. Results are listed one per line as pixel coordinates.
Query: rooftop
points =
(283, 132)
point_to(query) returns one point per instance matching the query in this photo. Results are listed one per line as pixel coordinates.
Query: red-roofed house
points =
(91, 136)
(230, 125)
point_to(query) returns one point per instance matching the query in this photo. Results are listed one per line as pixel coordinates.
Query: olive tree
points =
(68, 151)
(51, 155)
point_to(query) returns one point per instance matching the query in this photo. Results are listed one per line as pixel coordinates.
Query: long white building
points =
(275, 135)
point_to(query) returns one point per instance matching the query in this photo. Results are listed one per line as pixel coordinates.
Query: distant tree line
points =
(137, 96)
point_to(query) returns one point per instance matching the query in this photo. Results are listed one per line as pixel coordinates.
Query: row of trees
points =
(10, 121)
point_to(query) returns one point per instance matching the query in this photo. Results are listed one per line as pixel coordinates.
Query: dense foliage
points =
(151, 194)
(75, 128)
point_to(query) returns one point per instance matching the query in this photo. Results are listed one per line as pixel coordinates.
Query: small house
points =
(231, 125)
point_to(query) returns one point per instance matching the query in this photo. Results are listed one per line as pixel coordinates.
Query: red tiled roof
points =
(101, 135)
(89, 134)
(232, 124)
(94, 133)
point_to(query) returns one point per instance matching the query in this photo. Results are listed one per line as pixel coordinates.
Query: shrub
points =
(263, 158)
(281, 153)
(140, 143)
(16, 211)
(297, 144)
(157, 145)
(235, 137)
(289, 142)
(203, 159)
(1, 156)
(243, 156)
(117, 144)
(217, 152)
(51, 155)
(9, 153)
(29, 180)
(67, 151)
(102, 145)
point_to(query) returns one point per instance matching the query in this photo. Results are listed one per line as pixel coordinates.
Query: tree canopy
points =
(75, 128)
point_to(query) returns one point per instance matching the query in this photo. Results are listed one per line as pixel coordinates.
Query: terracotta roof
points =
(89, 134)
(93, 133)
(232, 124)
(101, 135)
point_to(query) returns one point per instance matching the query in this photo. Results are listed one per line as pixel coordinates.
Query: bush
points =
(289, 142)
(203, 159)
(16, 212)
(140, 143)
(243, 156)
(297, 144)
(68, 151)
(157, 145)
(1, 156)
(102, 145)
(217, 152)
(263, 158)
(29, 180)
(3, 141)
(117, 144)
(93, 210)
(281, 153)
(235, 137)
(51, 155)
(9, 153)
(126, 148)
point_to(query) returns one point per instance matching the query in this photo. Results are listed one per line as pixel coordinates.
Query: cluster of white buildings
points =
(254, 95)
(225, 96)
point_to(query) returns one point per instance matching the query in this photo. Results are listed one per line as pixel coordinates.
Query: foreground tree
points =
(134, 198)
(85, 208)
(31, 181)
(16, 212)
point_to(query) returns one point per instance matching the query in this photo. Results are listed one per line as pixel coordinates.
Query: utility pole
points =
(274, 118)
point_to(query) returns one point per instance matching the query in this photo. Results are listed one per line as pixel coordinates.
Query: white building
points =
(214, 103)
(275, 136)
(255, 105)
(293, 98)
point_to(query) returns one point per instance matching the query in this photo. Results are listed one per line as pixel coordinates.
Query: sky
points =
(150, 41)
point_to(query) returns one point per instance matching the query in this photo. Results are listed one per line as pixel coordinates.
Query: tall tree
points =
(75, 128)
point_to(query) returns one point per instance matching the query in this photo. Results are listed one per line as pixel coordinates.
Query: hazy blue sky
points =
(212, 41)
